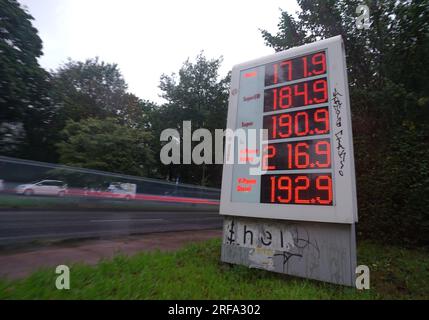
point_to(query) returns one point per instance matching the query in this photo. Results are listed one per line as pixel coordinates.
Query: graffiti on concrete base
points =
(268, 241)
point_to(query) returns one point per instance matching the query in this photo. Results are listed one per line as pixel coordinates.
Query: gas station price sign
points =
(300, 97)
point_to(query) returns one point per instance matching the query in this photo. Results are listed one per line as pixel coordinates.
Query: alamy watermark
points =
(363, 20)
(362, 278)
(251, 146)
(62, 282)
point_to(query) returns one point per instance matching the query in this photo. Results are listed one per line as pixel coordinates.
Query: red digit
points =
(274, 128)
(302, 155)
(285, 121)
(268, 155)
(304, 67)
(288, 63)
(327, 187)
(289, 156)
(320, 86)
(302, 93)
(273, 189)
(274, 99)
(301, 188)
(298, 122)
(283, 96)
(323, 148)
(276, 73)
(322, 115)
(287, 188)
(319, 59)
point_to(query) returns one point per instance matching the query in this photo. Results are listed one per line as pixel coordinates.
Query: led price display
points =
(296, 95)
(305, 186)
(308, 154)
(297, 124)
(297, 68)
(305, 189)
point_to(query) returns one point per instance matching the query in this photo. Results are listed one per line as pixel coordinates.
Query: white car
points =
(44, 187)
(122, 190)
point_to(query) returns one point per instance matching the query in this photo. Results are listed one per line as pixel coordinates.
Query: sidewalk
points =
(21, 264)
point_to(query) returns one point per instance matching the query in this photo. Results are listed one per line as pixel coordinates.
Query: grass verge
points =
(195, 272)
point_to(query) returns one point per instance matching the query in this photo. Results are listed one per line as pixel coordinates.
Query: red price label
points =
(294, 69)
(296, 95)
(308, 189)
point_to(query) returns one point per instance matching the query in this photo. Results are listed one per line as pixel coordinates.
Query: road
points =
(28, 226)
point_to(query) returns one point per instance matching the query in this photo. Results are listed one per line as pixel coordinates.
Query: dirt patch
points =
(21, 264)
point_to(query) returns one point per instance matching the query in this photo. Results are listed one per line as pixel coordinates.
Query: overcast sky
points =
(148, 38)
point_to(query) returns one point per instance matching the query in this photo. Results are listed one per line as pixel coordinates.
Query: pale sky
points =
(148, 38)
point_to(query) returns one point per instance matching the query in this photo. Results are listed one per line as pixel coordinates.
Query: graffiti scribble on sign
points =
(231, 233)
(341, 150)
(301, 242)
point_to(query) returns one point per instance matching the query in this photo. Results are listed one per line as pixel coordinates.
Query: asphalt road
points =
(27, 226)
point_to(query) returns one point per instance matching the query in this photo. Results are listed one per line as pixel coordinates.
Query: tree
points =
(25, 109)
(94, 89)
(389, 86)
(105, 144)
(199, 95)
(390, 53)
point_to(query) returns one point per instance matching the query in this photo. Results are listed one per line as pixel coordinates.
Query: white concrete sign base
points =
(319, 251)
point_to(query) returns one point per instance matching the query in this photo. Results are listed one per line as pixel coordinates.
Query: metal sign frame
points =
(344, 208)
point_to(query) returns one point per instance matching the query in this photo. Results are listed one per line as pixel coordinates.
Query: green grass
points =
(195, 272)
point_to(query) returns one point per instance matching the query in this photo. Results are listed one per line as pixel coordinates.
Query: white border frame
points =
(344, 209)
